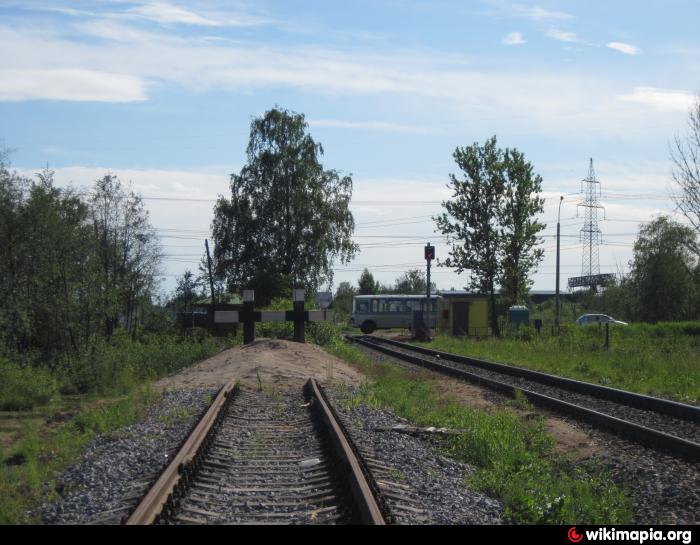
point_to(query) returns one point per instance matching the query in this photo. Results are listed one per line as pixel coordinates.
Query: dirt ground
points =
(266, 363)
(569, 437)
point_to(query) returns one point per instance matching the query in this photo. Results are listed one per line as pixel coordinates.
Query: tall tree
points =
(685, 154)
(471, 218)
(490, 221)
(45, 265)
(128, 252)
(288, 219)
(665, 273)
(366, 284)
(413, 282)
(520, 204)
(186, 291)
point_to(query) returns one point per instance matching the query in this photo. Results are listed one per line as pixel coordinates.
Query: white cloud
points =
(369, 125)
(533, 13)
(525, 100)
(622, 47)
(514, 38)
(562, 36)
(164, 12)
(660, 99)
(70, 84)
(540, 14)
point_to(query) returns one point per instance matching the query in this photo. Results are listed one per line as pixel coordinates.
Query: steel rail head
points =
(160, 494)
(365, 500)
(653, 438)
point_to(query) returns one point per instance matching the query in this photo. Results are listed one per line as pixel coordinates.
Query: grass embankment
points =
(515, 457)
(43, 431)
(660, 359)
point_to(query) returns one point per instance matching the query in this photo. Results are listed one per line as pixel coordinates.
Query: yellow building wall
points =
(478, 315)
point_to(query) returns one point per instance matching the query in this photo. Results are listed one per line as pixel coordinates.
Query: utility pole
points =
(556, 322)
(211, 283)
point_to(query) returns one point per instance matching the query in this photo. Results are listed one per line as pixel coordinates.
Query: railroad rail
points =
(661, 424)
(265, 459)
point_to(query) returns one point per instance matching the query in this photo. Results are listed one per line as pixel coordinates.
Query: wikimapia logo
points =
(638, 536)
(573, 536)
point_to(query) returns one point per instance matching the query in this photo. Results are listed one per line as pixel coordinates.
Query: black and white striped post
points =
(247, 316)
(299, 316)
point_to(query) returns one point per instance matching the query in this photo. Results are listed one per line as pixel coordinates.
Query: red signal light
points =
(429, 252)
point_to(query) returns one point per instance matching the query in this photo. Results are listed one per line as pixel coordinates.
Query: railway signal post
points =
(429, 256)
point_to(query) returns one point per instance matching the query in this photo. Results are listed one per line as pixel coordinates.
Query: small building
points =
(464, 313)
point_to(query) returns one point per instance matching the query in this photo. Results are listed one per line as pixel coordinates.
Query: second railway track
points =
(662, 424)
(260, 458)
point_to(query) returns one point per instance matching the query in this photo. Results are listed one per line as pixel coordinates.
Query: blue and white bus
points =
(370, 312)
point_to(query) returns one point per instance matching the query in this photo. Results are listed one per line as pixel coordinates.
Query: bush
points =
(117, 365)
(23, 387)
(324, 333)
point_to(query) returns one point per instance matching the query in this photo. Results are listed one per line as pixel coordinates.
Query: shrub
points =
(23, 387)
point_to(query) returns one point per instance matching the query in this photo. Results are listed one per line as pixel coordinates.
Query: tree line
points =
(73, 267)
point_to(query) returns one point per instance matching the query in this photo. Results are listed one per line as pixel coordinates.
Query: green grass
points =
(22, 386)
(661, 360)
(29, 466)
(45, 432)
(117, 365)
(515, 456)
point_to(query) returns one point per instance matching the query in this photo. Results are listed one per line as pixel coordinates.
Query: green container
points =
(518, 315)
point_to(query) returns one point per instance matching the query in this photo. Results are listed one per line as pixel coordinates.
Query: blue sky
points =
(162, 94)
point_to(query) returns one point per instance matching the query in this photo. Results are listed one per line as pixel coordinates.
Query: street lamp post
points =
(561, 199)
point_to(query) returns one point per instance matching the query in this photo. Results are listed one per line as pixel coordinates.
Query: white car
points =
(598, 319)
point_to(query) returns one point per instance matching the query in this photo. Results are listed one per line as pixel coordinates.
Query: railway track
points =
(258, 458)
(661, 424)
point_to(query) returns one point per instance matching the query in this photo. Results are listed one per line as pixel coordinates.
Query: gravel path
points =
(437, 482)
(651, 419)
(115, 469)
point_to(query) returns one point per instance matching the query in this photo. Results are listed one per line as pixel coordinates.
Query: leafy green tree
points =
(413, 282)
(665, 272)
(470, 220)
(489, 221)
(45, 263)
(520, 203)
(342, 301)
(128, 253)
(366, 284)
(288, 219)
(187, 290)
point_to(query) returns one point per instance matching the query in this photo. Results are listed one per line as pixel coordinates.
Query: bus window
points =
(362, 306)
(396, 305)
(380, 305)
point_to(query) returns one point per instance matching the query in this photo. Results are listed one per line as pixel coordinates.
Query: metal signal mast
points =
(591, 236)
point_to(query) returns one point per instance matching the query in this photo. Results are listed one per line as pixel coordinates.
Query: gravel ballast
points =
(115, 469)
(435, 482)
